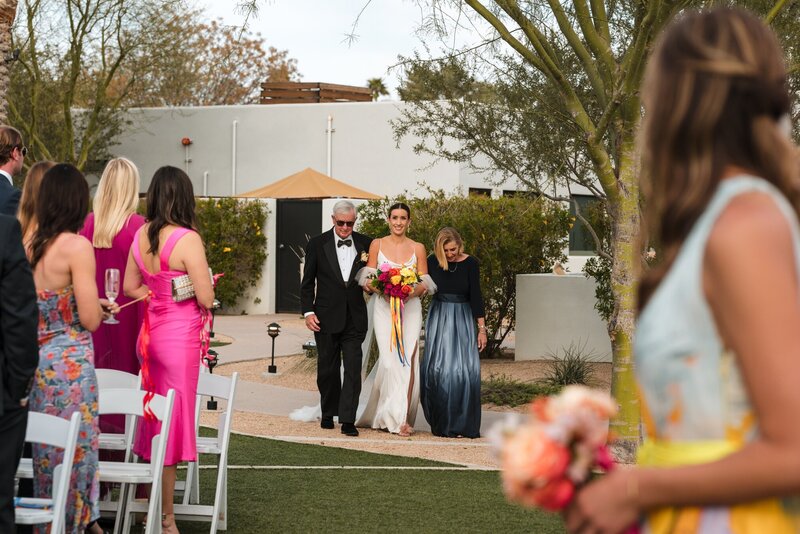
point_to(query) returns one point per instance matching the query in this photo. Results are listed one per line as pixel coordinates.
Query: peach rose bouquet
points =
(546, 458)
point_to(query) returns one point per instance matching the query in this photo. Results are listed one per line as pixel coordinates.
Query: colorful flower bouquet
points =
(545, 459)
(397, 283)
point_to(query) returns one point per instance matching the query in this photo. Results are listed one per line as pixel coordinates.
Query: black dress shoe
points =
(326, 423)
(349, 429)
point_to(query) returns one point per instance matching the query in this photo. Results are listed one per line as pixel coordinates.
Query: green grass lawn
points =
(289, 500)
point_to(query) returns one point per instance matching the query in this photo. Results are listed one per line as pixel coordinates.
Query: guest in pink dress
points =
(111, 228)
(169, 344)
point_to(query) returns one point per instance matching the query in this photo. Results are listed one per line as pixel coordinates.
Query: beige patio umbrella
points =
(310, 184)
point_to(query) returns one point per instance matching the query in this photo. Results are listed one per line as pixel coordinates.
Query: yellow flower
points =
(396, 279)
(226, 249)
(258, 233)
(405, 272)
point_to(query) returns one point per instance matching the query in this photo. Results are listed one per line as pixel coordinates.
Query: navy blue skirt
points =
(450, 374)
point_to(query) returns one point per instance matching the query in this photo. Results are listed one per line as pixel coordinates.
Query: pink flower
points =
(385, 267)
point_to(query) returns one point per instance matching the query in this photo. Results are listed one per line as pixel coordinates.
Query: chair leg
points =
(121, 501)
(188, 484)
(126, 517)
(194, 491)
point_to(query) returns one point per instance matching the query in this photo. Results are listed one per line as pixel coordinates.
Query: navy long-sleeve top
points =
(460, 278)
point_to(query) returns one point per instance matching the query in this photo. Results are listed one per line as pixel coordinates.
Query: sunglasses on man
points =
(349, 224)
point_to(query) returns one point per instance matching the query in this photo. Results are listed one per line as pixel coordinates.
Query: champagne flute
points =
(112, 291)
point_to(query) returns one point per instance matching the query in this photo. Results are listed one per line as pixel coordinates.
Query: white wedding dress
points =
(392, 389)
(390, 393)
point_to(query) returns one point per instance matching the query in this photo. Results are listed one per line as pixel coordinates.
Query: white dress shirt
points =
(8, 177)
(346, 255)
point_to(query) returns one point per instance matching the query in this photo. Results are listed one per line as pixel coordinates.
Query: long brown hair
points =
(30, 192)
(61, 207)
(170, 200)
(714, 92)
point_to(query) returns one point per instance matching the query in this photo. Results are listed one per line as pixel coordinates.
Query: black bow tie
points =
(344, 243)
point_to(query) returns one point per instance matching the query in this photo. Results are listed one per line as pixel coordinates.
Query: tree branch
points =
(586, 59)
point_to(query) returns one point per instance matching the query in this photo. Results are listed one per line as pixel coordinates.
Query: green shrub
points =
(232, 231)
(504, 391)
(573, 366)
(508, 236)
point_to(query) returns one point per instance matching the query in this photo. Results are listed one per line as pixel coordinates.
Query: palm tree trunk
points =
(8, 12)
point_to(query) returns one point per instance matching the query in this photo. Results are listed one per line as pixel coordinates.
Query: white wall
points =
(554, 311)
(274, 141)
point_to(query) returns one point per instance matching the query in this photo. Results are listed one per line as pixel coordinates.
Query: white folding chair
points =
(130, 402)
(55, 432)
(113, 379)
(219, 387)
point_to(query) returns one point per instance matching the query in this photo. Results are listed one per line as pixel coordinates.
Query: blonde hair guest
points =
(116, 199)
(446, 235)
(27, 204)
(111, 228)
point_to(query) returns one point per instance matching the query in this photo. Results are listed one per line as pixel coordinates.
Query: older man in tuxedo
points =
(19, 357)
(334, 308)
(12, 156)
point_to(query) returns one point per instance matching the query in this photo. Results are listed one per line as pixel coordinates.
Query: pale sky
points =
(314, 33)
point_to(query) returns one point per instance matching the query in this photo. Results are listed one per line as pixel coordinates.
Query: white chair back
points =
(62, 433)
(112, 378)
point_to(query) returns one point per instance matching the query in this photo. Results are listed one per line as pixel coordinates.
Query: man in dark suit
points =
(12, 156)
(19, 357)
(337, 314)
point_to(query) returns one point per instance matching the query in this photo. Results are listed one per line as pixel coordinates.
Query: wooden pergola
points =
(312, 92)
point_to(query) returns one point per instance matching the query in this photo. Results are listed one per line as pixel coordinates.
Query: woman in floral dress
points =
(69, 310)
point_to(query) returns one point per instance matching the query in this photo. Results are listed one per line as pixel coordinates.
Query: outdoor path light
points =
(273, 329)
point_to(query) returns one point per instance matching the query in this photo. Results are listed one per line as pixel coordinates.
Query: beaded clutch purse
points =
(182, 288)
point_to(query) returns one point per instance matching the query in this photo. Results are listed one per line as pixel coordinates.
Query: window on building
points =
(480, 191)
(580, 240)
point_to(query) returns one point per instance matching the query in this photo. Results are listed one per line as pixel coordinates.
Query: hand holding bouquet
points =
(544, 460)
(396, 282)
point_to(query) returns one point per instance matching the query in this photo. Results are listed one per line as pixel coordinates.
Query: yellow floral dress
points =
(694, 405)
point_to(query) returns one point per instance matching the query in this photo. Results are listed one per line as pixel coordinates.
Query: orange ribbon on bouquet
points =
(396, 305)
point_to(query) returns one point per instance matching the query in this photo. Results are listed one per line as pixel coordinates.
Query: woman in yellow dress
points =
(718, 339)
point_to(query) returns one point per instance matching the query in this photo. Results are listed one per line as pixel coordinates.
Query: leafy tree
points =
(378, 88)
(66, 89)
(216, 64)
(491, 232)
(567, 77)
(83, 62)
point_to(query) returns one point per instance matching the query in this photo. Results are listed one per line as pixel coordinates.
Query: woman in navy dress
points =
(455, 332)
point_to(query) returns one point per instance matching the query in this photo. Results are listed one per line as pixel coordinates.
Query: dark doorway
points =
(298, 220)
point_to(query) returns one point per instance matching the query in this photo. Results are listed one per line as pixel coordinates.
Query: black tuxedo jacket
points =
(333, 297)
(19, 316)
(9, 197)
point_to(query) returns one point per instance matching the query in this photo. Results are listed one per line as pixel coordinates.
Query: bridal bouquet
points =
(555, 451)
(397, 283)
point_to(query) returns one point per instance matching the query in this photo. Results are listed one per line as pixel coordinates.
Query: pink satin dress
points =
(170, 354)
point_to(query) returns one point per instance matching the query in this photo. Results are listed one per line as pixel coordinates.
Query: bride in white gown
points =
(390, 393)
(393, 398)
